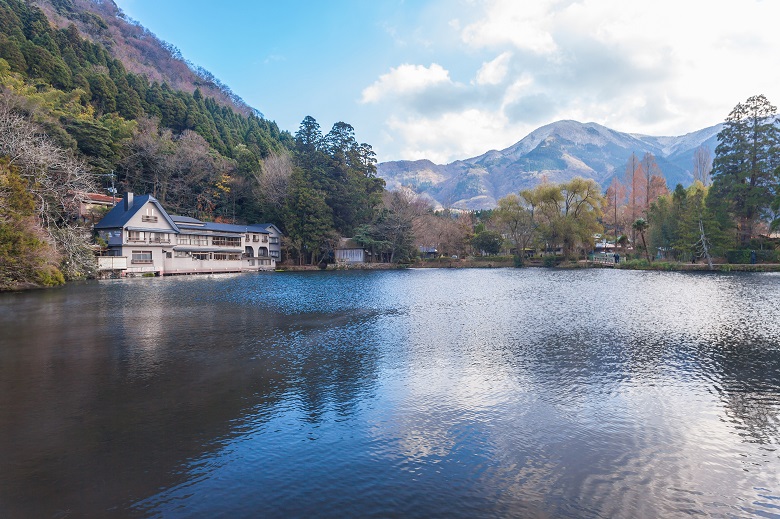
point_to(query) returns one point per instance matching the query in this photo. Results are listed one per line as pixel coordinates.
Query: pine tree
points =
(745, 162)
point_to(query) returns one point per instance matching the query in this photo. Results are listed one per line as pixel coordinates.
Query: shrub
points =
(738, 256)
(49, 276)
(768, 256)
(639, 264)
(550, 261)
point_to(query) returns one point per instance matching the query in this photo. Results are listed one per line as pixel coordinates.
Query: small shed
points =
(349, 251)
(428, 252)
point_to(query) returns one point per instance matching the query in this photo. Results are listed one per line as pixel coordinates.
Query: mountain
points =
(556, 152)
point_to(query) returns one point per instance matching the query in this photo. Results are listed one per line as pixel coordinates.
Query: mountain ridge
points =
(557, 152)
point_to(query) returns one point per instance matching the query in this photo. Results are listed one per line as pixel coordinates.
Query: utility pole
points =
(113, 188)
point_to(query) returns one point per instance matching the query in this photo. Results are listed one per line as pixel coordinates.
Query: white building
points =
(152, 241)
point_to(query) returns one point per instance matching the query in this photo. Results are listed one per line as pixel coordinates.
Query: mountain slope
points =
(139, 50)
(557, 152)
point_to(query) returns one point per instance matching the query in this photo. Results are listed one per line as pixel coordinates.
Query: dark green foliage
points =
(24, 257)
(745, 256)
(738, 256)
(10, 51)
(342, 170)
(488, 242)
(744, 182)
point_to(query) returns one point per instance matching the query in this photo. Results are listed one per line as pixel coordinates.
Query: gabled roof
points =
(348, 243)
(267, 227)
(118, 217)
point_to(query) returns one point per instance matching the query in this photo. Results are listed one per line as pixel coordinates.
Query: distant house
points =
(428, 252)
(152, 241)
(604, 246)
(349, 251)
(93, 206)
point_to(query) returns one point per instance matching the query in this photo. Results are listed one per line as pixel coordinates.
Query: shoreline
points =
(496, 263)
(509, 263)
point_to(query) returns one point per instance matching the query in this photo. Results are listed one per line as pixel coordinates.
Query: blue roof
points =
(118, 217)
(266, 226)
(184, 219)
(192, 223)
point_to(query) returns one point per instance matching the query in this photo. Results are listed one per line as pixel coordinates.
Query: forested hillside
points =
(140, 51)
(198, 155)
(86, 100)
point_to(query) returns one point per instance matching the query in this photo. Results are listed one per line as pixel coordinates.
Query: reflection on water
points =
(535, 393)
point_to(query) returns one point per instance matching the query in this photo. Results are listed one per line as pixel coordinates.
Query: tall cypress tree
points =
(745, 162)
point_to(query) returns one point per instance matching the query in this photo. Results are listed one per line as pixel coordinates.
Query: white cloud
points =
(405, 79)
(451, 135)
(494, 72)
(664, 68)
(525, 25)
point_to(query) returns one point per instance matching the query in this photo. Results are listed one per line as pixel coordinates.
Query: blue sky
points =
(451, 79)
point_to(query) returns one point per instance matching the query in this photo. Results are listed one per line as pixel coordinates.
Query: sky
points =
(451, 79)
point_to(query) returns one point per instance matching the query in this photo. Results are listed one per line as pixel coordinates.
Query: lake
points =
(411, 393)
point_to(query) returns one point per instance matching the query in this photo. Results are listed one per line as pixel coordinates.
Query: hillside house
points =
(152, 241)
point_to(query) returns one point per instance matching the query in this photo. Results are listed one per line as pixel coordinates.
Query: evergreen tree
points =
(744, 182)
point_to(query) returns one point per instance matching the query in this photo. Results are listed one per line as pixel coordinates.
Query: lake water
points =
(415, 393)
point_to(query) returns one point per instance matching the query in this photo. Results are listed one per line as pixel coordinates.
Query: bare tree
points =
(702, 165)
(655, 183)
(146, 167)
(615, 205)
(403, 209)
(635, 184)
(273, 179)
(58, 182)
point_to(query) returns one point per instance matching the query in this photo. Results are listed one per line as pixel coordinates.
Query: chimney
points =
(128, 199)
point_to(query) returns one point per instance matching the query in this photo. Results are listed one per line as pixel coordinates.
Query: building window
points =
(142, 256)
(135, 236)
(200, 256)
(158, 237)
(184, 239)
(181, 254)
(255, 238)
(222, 256)
(248, 238)
(224, 241)
(274, 253)
(149, 216)
(274, 239)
